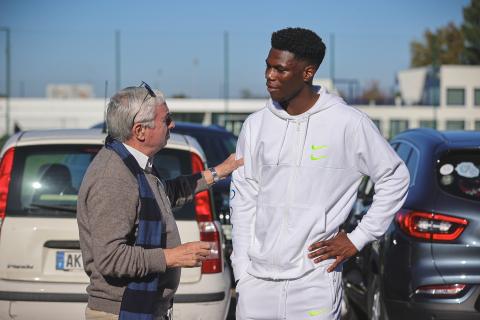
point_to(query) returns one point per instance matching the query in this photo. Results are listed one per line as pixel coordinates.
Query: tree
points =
(444, 46)
(246, 94)
(180, 95)
(373, 93)
(471, 32)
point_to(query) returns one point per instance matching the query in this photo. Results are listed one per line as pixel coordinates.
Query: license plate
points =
(67, 260)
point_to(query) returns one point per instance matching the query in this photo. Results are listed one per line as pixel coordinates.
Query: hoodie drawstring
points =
(283, 142)
(304, 140)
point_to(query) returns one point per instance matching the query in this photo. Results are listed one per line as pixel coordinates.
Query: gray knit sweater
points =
(107, 214)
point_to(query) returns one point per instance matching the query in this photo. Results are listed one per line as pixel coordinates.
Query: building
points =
(447, 98)
(69, 91)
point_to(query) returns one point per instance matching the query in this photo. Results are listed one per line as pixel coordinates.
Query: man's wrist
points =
(215, 175)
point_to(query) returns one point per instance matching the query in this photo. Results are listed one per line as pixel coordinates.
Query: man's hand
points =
(190, 254)
(339, 247)
(228, 166)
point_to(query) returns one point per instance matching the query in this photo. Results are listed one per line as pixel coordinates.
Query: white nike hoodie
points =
(299, 183)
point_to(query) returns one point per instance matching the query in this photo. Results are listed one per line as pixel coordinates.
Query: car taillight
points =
(441, 290)
(430, 226)
(208, 229)
(5, 175)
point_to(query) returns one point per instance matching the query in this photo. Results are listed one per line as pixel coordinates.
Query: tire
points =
(376, 310)
(349, 311)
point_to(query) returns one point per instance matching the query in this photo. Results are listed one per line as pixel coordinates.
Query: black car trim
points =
(43, 297)
(62, 244)
(80, 297)
(202, 297)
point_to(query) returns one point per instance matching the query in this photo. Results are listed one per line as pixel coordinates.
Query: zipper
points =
(291, 182)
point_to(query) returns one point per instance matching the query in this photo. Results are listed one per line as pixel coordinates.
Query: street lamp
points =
(7, 78)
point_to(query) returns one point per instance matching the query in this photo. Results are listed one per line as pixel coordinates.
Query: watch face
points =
(214, 174)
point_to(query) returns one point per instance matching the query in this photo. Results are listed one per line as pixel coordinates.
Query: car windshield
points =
(216, 145)
(458, 174)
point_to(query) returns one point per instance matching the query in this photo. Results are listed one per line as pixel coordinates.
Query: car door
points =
(356, 269)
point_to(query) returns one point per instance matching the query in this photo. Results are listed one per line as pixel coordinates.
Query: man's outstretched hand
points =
(187, 255)
(339, 247)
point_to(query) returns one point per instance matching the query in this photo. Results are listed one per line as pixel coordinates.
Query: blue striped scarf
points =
(138, 302)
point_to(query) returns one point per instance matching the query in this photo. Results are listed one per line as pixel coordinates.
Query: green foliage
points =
(471, 32)
(450, 44)
(444, 46)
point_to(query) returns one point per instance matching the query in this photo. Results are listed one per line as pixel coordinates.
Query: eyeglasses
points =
(150, 93)
(168, 119)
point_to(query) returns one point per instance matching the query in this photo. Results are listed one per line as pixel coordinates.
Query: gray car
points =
(427, 265)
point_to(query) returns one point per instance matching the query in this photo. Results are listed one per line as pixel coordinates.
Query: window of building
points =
(231, 121)
(397, 126)
(476, 97)
(196, 117)
(477, 125)
(378, 123)
(455, 125)
(455, 97)
(428, 124)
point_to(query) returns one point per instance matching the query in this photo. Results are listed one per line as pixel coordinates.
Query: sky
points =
(178, 46)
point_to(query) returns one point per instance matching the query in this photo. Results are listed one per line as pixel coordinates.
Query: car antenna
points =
(104, 126)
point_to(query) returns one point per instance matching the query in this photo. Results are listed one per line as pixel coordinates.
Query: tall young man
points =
(305, 154)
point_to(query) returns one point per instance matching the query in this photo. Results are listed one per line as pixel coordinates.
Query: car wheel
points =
(375, 305)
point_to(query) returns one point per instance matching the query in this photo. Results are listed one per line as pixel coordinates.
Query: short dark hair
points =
(303, 43)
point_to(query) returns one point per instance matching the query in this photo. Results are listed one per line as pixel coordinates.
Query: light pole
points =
(117, 60)
(7, 78)
(225, 77)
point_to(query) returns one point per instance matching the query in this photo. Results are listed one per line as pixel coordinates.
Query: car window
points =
(45, 179)
(216, 147)
(169, 164)
(403, 151)
(366, 189)
(458, 173)
(412, 165)
(409, 155)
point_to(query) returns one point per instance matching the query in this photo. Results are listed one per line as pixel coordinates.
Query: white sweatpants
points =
(315, 296)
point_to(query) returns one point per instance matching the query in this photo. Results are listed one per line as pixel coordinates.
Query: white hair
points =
(129, 106)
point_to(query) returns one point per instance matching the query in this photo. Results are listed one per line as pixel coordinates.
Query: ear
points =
(138, 132)
(309, 72)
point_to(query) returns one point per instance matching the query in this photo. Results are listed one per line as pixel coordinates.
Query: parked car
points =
(218, 144)
(41, 271)
(427, 265)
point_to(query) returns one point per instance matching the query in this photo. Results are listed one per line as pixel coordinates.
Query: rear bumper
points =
(53, 306)
(213, 310)
(463, 308)
(21, 300)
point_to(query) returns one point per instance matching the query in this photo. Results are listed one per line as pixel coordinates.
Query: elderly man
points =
(129, 239)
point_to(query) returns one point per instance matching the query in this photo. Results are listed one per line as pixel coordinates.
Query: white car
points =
(41, 271)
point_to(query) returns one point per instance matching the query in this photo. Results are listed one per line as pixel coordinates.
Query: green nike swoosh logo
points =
(314, 147)
(312, 157)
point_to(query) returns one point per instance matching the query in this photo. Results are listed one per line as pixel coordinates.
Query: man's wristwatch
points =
(215, 175)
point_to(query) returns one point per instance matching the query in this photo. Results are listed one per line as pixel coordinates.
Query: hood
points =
(325, 101)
